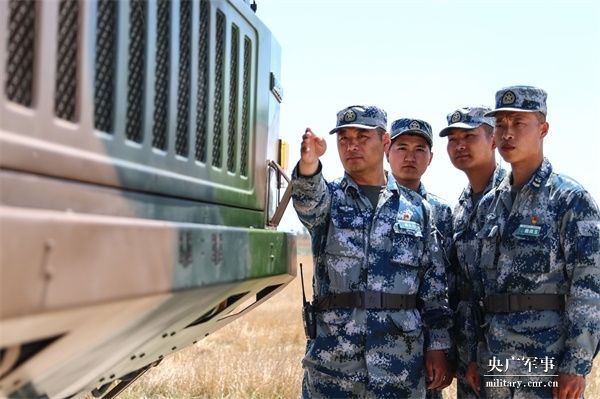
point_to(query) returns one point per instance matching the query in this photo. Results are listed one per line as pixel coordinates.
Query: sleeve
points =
(432, 295)
(473, 327)
(580, 239)
(311, 198)
(447, 232)
(452, 275)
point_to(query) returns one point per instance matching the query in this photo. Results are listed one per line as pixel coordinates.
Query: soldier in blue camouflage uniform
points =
(540, 264)
(382, 320)
(409, 156)
(472, 149)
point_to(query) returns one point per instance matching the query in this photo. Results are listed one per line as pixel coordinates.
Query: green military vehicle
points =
(141, 185)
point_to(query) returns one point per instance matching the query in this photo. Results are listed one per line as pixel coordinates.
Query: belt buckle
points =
(372, 300)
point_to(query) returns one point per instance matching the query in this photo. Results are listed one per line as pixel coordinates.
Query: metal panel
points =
(201, 133)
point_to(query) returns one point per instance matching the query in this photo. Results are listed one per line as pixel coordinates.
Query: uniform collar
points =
(399, 189)
(540, 176)
(534, 184)
(536, 181)
(495, 181)
(499, 176)
(422, 191)
(347, 182)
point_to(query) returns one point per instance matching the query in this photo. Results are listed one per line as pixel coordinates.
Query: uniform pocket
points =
(346, 236)
(532, 248)
(588, 242)
(406, 320)
(488, 238)
(539, 321)
(467, 252)
(407, 244)
(335, 321)
(344, 251)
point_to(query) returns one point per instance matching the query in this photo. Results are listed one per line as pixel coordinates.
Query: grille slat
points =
(219, 67)
(136, 70)
(183, 98)
(21, 50)
(161, 80)
(202, 97)
(245, 108)
(233, 99)
(104, 80)
(65, 97)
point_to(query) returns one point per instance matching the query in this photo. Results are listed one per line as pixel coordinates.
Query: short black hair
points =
(540, 117)
(488, 129)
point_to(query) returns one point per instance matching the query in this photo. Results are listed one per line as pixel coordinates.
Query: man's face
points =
(470, 149)
(519, 136)
(361, 150)
(409, 156)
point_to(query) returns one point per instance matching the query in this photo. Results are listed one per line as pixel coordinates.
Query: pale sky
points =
(424, 59)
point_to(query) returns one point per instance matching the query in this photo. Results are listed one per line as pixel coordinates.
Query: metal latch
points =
(287, 195)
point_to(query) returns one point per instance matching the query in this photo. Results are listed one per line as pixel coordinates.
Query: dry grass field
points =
(257, 356)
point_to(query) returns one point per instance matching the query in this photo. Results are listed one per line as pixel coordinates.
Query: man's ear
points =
(430, 157)
(387, 141)
(545, 127)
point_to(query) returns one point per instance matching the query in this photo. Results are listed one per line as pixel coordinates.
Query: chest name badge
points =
(529, 230)
(406, 225)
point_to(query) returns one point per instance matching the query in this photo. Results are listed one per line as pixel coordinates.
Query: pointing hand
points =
(311, 149)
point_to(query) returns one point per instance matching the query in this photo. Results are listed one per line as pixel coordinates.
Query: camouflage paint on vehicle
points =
(135, 191)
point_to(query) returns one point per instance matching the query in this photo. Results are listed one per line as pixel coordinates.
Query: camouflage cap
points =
(467, 118)
(361, 116)
(412, 126)
(520, 99)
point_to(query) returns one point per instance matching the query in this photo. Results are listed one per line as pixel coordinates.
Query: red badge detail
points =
(534, 219)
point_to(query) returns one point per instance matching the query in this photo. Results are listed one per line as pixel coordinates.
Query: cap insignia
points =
(508, 98)
(414, 125)
(456, 117)
(350, 116)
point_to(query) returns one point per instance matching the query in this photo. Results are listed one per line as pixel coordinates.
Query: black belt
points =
(504, 303)
(366, 300)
